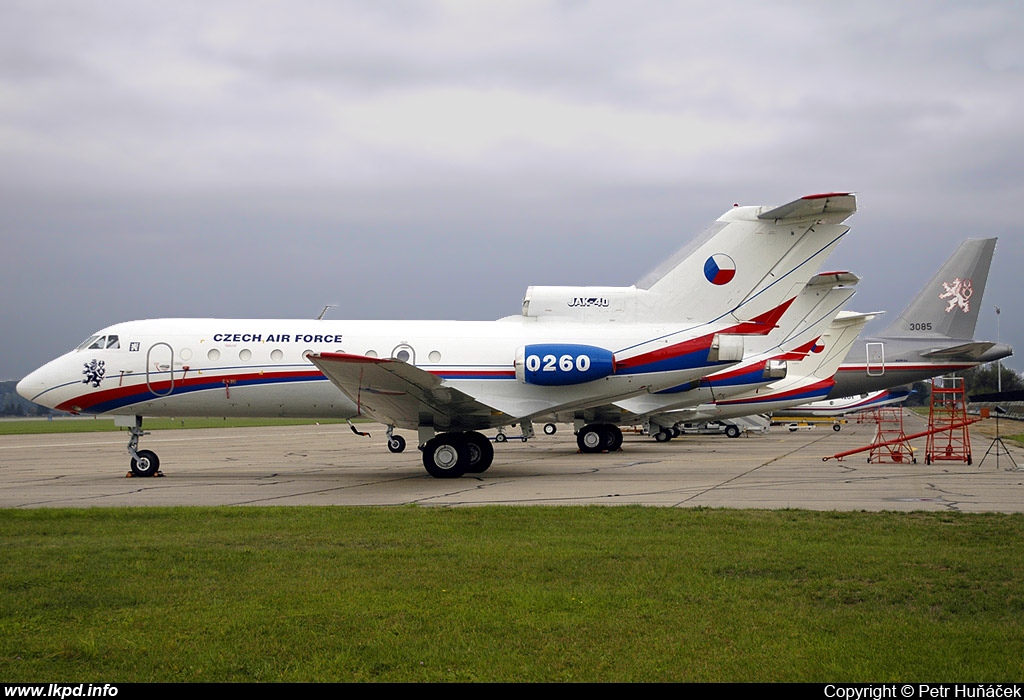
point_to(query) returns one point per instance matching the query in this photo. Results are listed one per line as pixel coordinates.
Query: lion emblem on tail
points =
(958, 292)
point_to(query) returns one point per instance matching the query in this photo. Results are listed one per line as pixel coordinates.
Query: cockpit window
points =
(101, 342)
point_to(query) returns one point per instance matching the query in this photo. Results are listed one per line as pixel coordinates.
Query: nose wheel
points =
(396, 443)
(144, 463)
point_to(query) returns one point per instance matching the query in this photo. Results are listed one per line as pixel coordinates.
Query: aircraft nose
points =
(31, 386)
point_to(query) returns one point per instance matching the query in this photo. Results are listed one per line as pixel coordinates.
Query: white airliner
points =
(571, 348)
(771, 360)
(807, 378)
(834, 408)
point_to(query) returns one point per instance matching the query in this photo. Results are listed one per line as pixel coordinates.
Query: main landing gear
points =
(666, 434)
(448, 455)
(451, 455)
(599, 437)
(144, 462)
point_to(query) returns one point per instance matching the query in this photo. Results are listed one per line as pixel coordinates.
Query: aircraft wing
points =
(397, 393)
(970, 351)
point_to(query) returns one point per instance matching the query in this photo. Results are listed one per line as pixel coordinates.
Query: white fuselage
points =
(218, 367)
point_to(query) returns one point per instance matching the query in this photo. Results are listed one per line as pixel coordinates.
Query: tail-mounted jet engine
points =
(558, 364)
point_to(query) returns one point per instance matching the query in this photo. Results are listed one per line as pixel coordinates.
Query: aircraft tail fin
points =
(949, 305)
(748, 265)
(751, 260)
(841, 335)
(818, 305)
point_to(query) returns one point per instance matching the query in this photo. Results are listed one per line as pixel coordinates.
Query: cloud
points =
(264, 158)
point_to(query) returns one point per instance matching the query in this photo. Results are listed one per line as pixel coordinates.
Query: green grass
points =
(508, 594)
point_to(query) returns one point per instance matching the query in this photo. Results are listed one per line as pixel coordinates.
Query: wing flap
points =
(397, 393)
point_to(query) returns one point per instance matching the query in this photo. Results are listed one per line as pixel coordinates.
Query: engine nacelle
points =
(560, 364)
(726, 348)
(776, 369)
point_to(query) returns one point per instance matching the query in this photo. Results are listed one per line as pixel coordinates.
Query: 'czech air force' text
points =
(276, 338)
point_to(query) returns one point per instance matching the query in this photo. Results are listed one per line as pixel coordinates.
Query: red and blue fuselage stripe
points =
(122, 396)
(808, 393)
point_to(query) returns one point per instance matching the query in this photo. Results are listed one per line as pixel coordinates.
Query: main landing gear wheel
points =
(612, 437)
(481, 452)
(396, 443)
(146, 464)
(599, 437)
(589, 439)
(663, 435)
(446, 456)
(550, 428)
(450, 455)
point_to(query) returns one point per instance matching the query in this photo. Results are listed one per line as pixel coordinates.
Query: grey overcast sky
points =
(418, 159)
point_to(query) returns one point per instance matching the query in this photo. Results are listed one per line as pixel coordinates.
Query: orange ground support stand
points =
(948, 437)
(870, 416)
(891, 442)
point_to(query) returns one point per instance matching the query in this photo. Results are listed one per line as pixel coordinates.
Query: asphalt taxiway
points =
(329, 465)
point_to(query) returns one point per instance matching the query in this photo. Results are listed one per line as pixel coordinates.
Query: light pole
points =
(999, 365)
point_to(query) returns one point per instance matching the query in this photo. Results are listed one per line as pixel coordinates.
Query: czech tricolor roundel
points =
(719, 269)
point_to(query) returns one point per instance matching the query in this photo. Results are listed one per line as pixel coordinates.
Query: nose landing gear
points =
(144, 463)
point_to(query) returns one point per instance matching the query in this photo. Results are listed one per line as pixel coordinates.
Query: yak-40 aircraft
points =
(571, 348)
(807, 376)
(794, 362)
